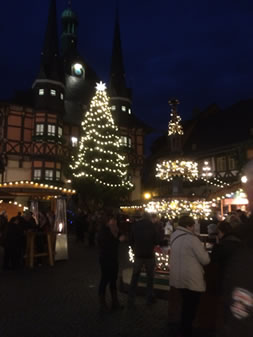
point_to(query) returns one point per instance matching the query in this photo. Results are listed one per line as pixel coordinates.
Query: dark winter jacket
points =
(108, 245)
(143, 238)
(224, 250)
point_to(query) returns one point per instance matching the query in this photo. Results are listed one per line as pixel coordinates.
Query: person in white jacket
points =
(187, 258)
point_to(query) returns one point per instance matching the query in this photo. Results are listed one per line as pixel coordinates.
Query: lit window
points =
(59, 131)
(53, 92)
(123, 108)
(39, 129)
(37, 174)
(58, 175)
(113, 107)
(129, 111)
(49, 174)
(62, 96)
(74, 141)
(51, 130)
(41, 92)
(125, 141)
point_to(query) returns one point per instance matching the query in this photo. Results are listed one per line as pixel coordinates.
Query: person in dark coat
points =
(238, 278)
(226, 246)
(143, 239)
(108, 244)
(13, 247)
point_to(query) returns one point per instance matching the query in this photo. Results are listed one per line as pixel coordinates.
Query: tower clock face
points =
(78, 70)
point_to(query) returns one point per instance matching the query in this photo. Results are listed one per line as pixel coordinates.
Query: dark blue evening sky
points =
(198, 51)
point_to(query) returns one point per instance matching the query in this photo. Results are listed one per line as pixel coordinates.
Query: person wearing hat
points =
(187, 258)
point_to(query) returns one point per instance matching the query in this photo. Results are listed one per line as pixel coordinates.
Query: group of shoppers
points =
(13, 235)
(232, 254)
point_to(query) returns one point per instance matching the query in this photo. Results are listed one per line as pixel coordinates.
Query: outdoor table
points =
(31, 251)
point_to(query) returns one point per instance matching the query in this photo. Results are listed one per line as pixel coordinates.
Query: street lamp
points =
(147, 195)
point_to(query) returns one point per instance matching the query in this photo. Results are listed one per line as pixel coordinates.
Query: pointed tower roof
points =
(117, 84)
(50, 67)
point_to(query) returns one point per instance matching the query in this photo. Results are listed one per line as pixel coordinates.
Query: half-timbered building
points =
(40, 129)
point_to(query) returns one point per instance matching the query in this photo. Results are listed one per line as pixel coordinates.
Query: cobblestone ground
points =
(61, 301)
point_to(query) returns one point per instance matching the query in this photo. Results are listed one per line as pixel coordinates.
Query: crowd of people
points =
(194, 271)
(13, 235)
(224, 270)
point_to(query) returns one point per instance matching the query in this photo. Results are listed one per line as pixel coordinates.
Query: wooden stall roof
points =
(31, 188)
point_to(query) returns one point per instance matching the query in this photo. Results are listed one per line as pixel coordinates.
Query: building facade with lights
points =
(219, 142)
(40, 129)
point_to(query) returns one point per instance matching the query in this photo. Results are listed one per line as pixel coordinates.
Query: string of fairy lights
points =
(161, 259)
(172, 209)
(188, 170)
(170, 169)
(99, 157)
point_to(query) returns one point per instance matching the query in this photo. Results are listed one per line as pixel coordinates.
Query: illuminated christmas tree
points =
(99, 162)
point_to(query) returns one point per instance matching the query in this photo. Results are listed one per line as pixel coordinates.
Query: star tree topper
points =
(100, 86)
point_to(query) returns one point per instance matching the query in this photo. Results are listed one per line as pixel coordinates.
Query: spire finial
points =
(70, 3)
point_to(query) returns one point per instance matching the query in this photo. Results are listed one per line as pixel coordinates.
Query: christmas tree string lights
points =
(99, 157)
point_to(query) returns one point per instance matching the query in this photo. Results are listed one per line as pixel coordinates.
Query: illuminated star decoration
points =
(100, 86)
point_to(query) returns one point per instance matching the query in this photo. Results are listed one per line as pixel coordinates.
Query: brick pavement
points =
(61, 301)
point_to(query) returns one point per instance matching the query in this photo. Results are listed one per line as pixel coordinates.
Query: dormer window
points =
(129, 111)
(53, 92)
(113, 107)
(39, 129)
(61, 96)
(123, 108)
(51, 130)
(41, 92)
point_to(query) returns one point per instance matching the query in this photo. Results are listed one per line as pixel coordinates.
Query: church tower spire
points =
(69, 31)
(117, 84)
(48, 88)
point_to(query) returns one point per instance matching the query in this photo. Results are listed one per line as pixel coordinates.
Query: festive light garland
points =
(99, 157)
(32, 184)
(15, 203)
(173, 208)
(170, 169)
